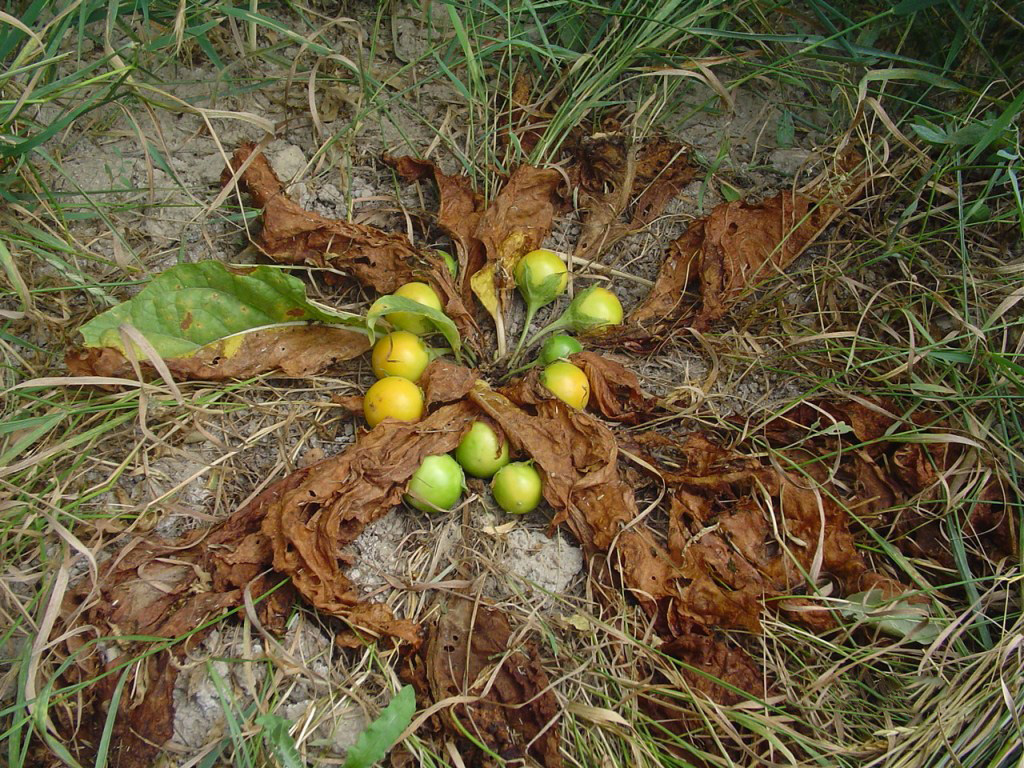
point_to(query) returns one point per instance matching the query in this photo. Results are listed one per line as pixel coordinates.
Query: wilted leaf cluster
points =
(736, 536)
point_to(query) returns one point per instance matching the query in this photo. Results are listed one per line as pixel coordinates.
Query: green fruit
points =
(436, 485)
(392, 397)
(559, 347)
(479, 452)
(517, 487)
(400, 353)
(541, 277)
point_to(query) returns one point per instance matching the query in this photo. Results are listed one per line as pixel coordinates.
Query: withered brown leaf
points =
(470, 653)
(624, 186)
(490, 239)
(729, 252)
(300, 527)
(308, 527)
(163, 589)
(381, 260)
(614, 389)
(294, 351)
(458, 215)
(577, 457)
(885, 471)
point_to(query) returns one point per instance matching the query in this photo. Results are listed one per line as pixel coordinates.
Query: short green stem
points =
(514, 372)
(531, 311)
(555, 325)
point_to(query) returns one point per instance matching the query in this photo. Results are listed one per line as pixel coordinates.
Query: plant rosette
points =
(480, 453)
(436, 485)
(392, 398)
(517, 487)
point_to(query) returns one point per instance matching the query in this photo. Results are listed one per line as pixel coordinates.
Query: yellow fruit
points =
(392, 398)
(399, 354)
(407, 321)
(568, 383)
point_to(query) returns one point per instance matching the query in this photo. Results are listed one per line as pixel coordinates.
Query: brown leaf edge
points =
(729, 252)
(376, 259)
(469, 652)
(296, 351)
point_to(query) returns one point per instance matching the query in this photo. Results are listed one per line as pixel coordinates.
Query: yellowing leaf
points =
(486, 291)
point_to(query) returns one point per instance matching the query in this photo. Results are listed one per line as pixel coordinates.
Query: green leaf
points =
(192, 305)
(279, 741)
(785, 132)
(898, 618)
(380, 735)
(388, 304)
(729, 193)
(928, 131)
(35, 430)
(907, 7)
(997, 127)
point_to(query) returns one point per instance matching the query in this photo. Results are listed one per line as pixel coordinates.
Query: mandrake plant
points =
(732, 617)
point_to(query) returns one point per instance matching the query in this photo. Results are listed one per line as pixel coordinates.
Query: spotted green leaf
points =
(192, 305)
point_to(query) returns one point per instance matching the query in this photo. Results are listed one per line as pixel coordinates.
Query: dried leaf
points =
(738, 246)
(614, 389)
(731, 251)
(577, 458)
(745, 245)
(161, 588)
(380, 260)
(718, 662)
(459, 215)
(490, 239)
(886, 472)
(309, 526)
(667, 302)
(295, 351)
(740, 532)
(444, 382)
(515, 223)
(469, 653)
(300, 526)
(614, 173)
